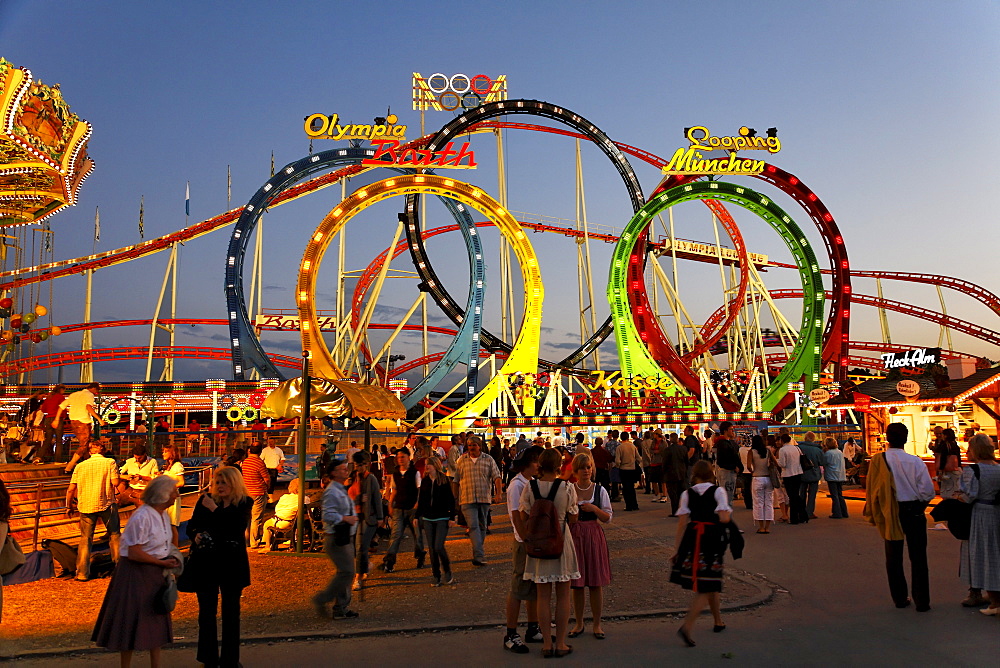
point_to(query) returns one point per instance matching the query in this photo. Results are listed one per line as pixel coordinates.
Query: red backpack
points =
(543, 537)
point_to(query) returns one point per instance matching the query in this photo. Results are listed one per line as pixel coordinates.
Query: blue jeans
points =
(809, 490)
(363, 539)
(727, 480)
(257, 519)
(476, 517)
(402, 520)
(112, 524)
(837, 498)
(436, 531)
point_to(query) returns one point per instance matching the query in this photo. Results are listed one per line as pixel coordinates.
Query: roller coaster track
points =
(128, 352)
(79, 265)
(977, 292)
(951, 322)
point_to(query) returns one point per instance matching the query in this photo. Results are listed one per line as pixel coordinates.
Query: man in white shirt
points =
(274, 462)
(900, 515)
(82, 411)
(526, 466)
(139, 469)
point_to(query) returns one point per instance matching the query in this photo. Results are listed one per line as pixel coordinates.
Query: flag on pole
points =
(229, 184)
(187, 199)
(142, 204)
(272, 163)
(97, 224)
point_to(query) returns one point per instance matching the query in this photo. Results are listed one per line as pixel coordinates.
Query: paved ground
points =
(830, 607)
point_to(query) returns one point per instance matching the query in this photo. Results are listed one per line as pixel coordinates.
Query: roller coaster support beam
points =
(169, 276)
(303, 439)
(87, 343)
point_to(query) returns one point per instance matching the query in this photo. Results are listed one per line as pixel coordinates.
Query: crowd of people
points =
(558, 493)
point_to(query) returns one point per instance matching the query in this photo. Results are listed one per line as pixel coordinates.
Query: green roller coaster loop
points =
(804, 362)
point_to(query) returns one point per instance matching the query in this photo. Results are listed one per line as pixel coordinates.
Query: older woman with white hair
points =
(128, 620)
(980, 486)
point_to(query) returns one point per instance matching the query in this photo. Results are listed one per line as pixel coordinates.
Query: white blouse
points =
(148, 529)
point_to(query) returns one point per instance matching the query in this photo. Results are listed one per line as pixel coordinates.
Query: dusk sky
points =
(887, 110)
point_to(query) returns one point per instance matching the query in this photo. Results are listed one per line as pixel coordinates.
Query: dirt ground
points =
(59, 614)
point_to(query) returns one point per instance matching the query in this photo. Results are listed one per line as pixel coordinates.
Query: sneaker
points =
(534, 634)
(436, 583)
(345, 614)
(448, 581)
(515, 644)
(478, 562)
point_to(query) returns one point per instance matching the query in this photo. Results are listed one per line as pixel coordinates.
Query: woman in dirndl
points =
(701, 541)
(980, 565)
(128, 620)
(591, 545)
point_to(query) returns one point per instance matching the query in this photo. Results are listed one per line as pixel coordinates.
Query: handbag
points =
(805, 462)
(951, 464)
(341, 533)
(166, 598)
(11, 556)
(774, 473)
(187, 581)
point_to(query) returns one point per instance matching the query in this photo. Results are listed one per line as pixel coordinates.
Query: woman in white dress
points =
(549, 574)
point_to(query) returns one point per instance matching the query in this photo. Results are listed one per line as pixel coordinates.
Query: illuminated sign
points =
(911, 358)
(321, 126)
(908, 388)
(709, 250)
(819, 395)
(386, 154)
(595, 403)
(291, 322)
(690, 160)
(459, 91)
(616, 381)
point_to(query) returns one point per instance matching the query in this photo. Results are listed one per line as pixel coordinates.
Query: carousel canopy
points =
(335, 399)
(43, 149)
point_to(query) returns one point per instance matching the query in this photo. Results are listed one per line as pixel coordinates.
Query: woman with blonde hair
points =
(701, 544)
(558, 573)
(219, 565)
(590, 543)
(435, 510)
(173, 467)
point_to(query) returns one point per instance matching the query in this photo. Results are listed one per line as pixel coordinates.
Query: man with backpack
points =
(525, 467)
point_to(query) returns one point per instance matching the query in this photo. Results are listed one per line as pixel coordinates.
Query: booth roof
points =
(882, 390)
(333, 398)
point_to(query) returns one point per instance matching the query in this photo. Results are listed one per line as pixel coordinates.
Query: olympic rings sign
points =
(237, 413)
(459, 91)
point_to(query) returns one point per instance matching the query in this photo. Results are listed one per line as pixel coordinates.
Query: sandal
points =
(599, 635)
(564, 652)
(574, 633)
(685, 637)
(548, 653)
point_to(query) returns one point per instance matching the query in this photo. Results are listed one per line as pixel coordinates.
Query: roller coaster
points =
(734, 340)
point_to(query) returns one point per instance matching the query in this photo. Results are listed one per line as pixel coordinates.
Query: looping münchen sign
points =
(691, 161)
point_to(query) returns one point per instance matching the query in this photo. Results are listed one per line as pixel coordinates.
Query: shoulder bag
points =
(11, 556)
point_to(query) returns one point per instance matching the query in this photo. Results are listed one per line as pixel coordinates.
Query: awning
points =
(333, 398)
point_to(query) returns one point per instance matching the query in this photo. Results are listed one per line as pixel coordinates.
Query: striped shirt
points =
(475, 478)
(255, 476)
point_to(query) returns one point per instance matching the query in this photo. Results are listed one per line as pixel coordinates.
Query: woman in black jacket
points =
(436, 509)
(219, 564)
